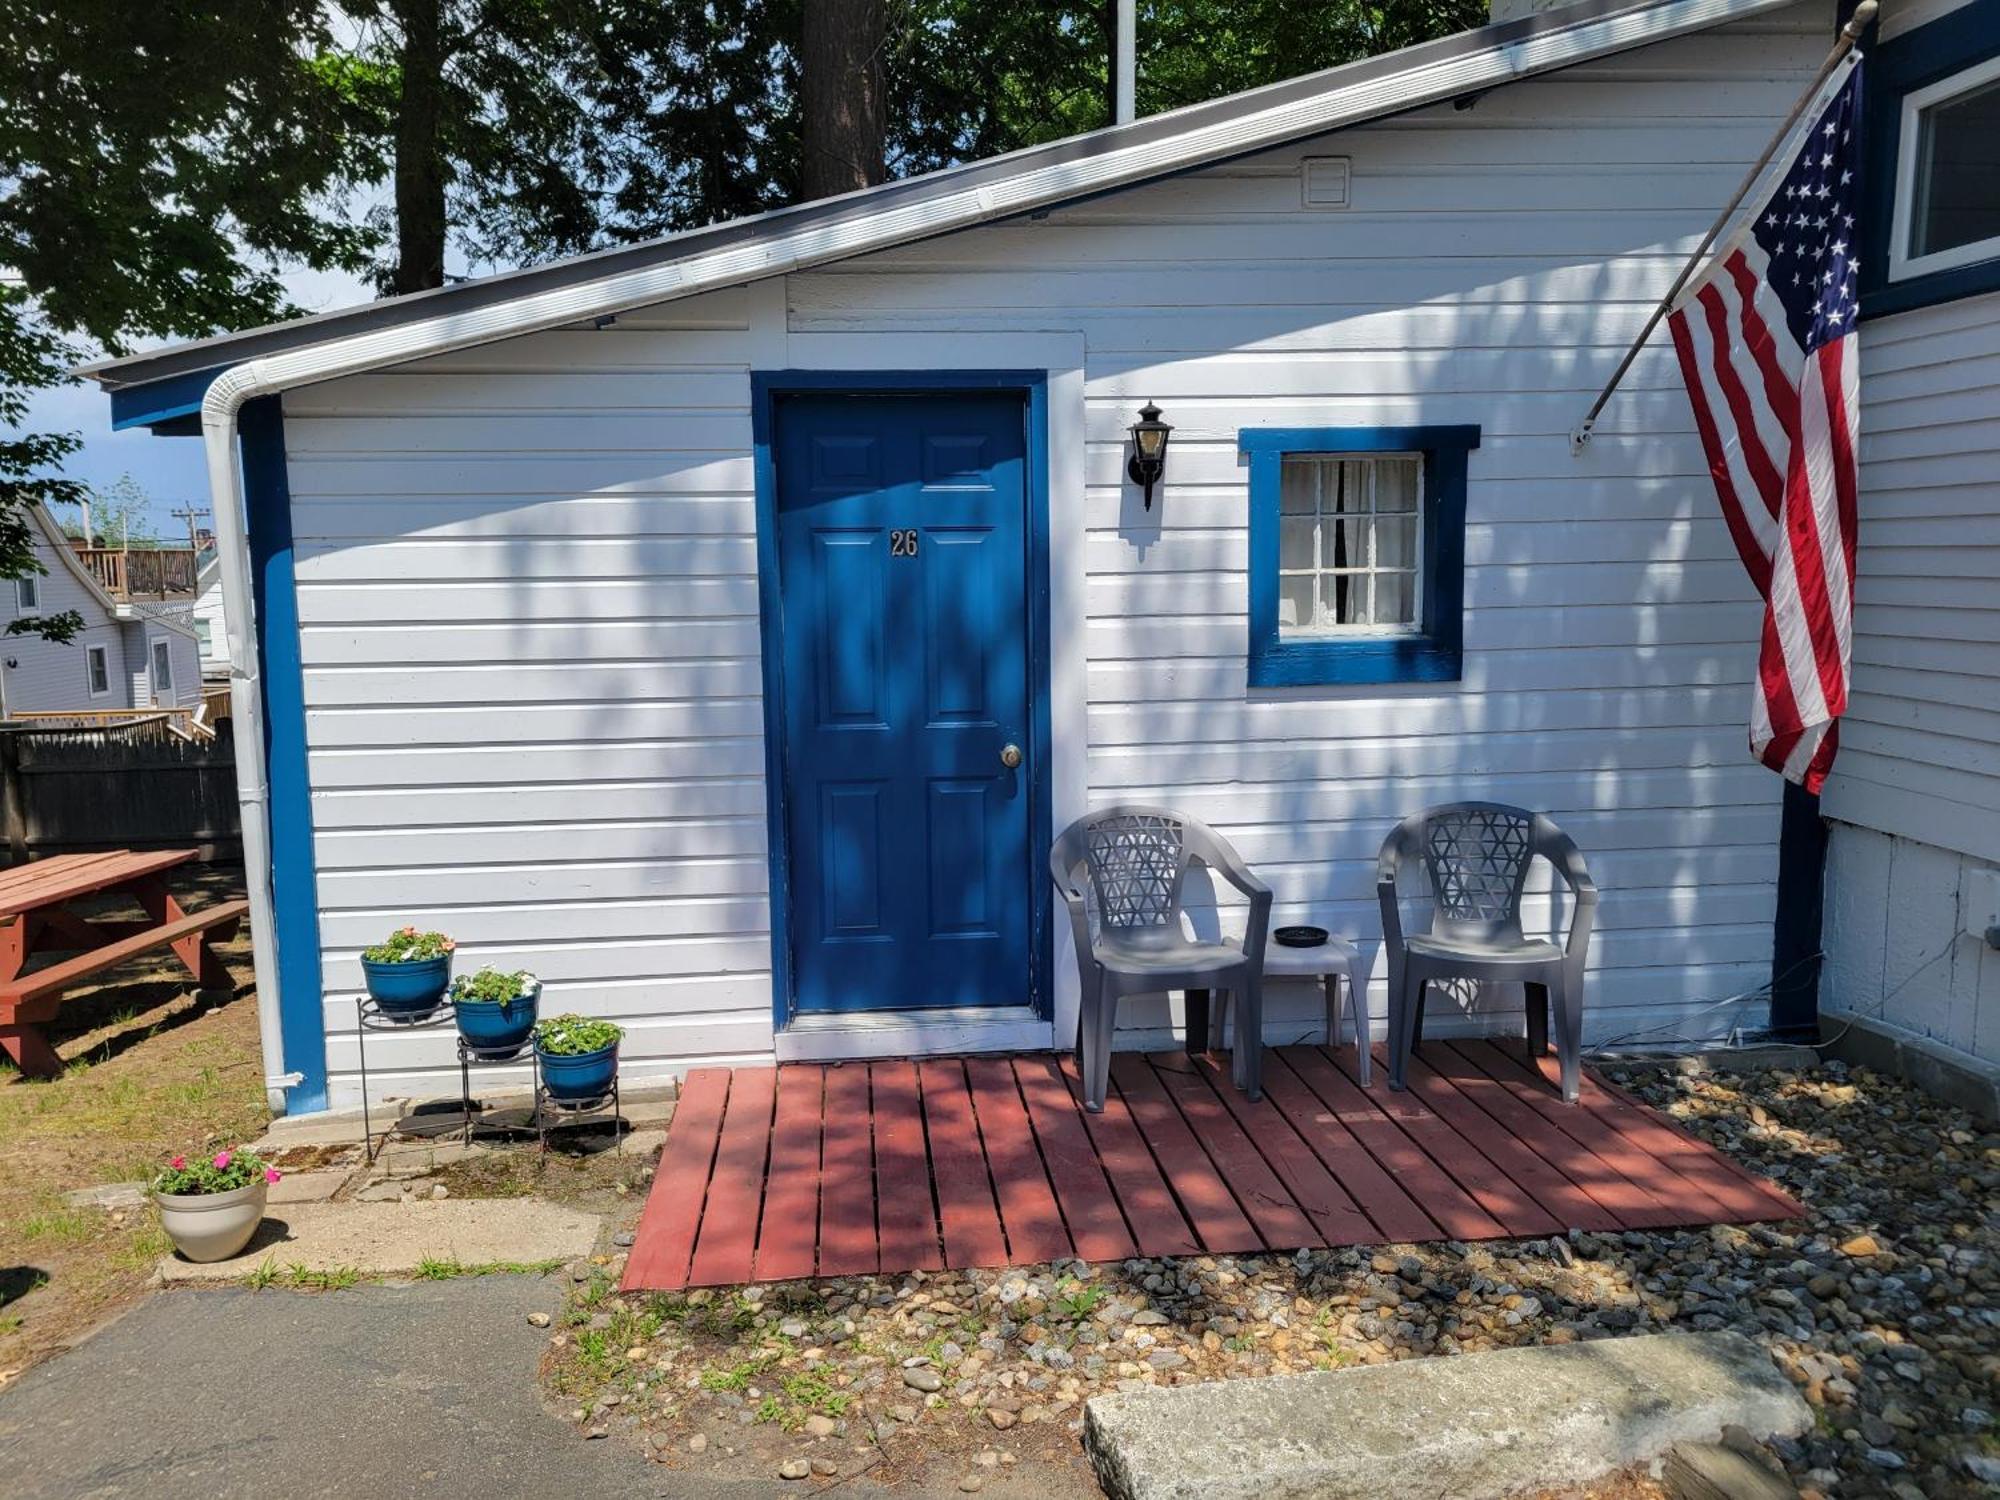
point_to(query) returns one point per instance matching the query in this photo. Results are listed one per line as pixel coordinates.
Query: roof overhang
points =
(163, 389)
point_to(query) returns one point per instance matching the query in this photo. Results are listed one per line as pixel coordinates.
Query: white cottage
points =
(127, 655)
(665, 621)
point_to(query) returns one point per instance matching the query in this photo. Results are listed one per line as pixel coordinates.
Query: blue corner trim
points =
(171, 407)
(1896, 69)
(1435, 653)
(765, 389)
(294, 889)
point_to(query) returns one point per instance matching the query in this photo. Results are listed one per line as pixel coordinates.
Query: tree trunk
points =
(841, 88)
(1108, 15)
(420, 165)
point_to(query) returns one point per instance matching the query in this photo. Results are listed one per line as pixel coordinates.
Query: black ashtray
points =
(1299, 937)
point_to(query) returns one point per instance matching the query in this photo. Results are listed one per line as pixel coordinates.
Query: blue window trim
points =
(766, 388)
(1431, 655)
(1896, 69)
(281, 680)
(171, 407)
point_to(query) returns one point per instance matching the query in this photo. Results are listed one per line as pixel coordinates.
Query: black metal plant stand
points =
(546, 1104)
(371, 1018)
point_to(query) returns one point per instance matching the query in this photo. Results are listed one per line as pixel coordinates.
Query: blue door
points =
(902, 559)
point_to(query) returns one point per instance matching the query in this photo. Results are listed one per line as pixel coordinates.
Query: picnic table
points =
(36, 917)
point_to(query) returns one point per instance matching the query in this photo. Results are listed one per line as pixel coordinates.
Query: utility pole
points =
(190, 514)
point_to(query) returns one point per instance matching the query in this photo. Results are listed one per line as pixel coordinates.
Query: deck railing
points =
(141, 572)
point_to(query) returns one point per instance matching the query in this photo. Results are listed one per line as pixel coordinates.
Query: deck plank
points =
(1591, 1154)
(906, 1215)
(725, 1249)
(1157, 1221)
(966, 1207)
(664, 1243)
(1029, 1216)
(1391, 1125)
(847, 1242)
(1319, 1195)
(1464, 1107)
(788, 1236)
(1089, 1208)
(1396, 1215)
(1210, 1207)
(1258, 1190)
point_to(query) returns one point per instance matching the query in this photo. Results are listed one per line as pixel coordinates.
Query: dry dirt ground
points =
(148, 1072)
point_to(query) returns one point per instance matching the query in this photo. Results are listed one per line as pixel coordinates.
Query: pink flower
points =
(222, 1160)
(178, 1162)
(271, 1174)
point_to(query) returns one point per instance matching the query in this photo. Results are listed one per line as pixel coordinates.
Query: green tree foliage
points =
(158, 163)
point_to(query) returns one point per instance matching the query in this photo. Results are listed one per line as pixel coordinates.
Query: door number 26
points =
(903, 543)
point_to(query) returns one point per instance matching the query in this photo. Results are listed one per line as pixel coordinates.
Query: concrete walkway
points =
(425, 1390)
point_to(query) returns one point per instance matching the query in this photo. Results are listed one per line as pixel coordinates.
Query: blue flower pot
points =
(498, 1029)
(403, 991)
(581, 1077)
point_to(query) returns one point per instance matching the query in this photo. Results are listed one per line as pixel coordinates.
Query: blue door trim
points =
(294, 887)
(765, 389)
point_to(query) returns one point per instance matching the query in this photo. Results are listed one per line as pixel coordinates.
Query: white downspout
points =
(219, 410)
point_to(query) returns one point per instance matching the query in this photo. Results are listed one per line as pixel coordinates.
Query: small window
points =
(1356, 553)
(163, 670)
(28, 594)
(1350, 541)
(204, 636)
(97, 670)
(1947, 206)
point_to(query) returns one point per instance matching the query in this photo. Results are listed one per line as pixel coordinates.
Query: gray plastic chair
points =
(1477, 856)
(1137, 860)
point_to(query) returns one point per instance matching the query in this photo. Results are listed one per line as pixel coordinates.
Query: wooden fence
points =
(136, 786)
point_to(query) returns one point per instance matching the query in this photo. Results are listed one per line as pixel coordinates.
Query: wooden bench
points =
(34, 918)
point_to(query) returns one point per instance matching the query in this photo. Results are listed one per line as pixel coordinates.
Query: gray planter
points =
(212, 1226)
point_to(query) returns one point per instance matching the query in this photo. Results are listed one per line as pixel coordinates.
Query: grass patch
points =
(65, 1226)
(448, 1268)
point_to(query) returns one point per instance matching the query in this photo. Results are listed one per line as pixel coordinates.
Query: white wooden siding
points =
(1920, 750)
(47, 677)
(528, 588)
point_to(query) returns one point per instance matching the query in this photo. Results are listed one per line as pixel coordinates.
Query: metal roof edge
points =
(396, 329)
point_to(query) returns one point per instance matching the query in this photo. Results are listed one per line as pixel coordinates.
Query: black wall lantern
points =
(1149, 450)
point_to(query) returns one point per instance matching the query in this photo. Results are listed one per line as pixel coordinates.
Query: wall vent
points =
(1323, 181)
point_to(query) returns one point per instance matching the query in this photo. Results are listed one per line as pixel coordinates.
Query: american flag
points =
(1766, 342)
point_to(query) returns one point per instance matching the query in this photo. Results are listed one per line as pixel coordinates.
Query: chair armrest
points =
(1257, 930)
(1392, 914)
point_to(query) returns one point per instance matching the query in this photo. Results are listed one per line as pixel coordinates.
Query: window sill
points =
(1298, 663)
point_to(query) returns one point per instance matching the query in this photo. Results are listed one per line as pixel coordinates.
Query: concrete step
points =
(1468, 1428)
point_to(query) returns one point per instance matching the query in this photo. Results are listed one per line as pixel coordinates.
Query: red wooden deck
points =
(776, 1173)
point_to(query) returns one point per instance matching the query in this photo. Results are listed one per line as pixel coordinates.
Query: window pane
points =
(1395, 599)
(1344, 596)
(1396, 484)
(1353, 487)
(1295, 542)
(1298, 486)
(1396, 541)
(1958, 173)
(1347, 544)
(1295, 602)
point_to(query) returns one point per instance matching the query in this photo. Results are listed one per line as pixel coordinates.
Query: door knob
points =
(1010, 756)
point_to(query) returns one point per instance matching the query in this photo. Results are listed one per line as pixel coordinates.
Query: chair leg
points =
(1364, 1041)
(1417, 1016)
(1537, 998)
(1400, 1028)
(1218, 1018)
(1247, 1063)
(1095, 1026)
(1332, 1012)
(1568, 1007)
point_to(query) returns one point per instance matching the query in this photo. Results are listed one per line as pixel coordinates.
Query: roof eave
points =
(807, 235)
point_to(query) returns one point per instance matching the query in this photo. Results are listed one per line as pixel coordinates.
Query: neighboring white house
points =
(1913, 879)
(126, 656)
(551, 660)
(207, 620)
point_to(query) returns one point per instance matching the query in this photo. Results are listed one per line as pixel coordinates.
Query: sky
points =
(169, 469)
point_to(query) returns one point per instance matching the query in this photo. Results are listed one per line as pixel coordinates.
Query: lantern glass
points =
(1151, 438)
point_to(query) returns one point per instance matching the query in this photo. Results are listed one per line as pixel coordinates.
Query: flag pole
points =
(1844, 44)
